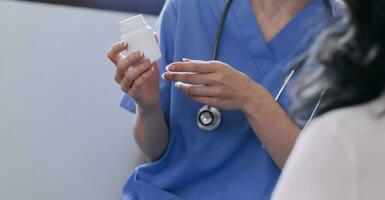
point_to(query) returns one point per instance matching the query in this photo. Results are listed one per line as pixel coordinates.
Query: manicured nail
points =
(170, 67)
(137, 53)
(163, 75)
(178, 84)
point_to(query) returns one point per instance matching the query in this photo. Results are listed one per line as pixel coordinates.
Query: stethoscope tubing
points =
(207, 108)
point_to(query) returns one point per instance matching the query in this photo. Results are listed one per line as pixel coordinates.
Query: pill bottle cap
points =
(133, 23)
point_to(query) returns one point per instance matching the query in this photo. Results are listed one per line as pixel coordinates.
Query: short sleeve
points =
(128, 103)
(167, 29)
(320, 166)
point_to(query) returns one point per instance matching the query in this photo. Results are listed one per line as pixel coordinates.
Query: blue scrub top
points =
(229, 163)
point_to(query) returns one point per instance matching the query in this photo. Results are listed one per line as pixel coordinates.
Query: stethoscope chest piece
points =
(208, 118)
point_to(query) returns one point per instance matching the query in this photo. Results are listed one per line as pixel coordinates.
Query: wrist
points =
(257, 98)
(148, 109)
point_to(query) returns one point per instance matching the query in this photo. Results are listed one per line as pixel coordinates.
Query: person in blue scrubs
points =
(242, 158)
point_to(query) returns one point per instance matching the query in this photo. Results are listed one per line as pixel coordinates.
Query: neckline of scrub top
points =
(307, 24)
(252, 34)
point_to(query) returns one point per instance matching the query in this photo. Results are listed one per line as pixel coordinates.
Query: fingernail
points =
(163, 75)
(141, 54)
(170, 67)
(185, 59)
(178, 84)
(137, 53)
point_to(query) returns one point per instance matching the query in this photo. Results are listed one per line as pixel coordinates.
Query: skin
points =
(219, 85)
(139, 79)
(273, 15)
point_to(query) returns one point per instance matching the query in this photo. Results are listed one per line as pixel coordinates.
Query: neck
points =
(273, 15)
(274, 7)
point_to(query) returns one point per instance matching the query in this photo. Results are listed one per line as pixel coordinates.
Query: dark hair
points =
(350, 58)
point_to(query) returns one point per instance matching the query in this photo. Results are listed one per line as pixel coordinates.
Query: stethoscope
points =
(208, 117)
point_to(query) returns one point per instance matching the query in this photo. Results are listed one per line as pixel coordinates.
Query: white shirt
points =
(339, 156)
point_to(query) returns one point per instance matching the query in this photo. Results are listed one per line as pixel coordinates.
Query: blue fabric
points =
(229, 163)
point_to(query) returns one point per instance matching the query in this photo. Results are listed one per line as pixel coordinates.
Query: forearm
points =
(237, 91)
(151, 132)
(274, 128)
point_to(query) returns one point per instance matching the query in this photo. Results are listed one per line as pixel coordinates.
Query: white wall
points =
(62, 133)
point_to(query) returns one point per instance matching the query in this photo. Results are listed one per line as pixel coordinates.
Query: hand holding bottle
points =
(137, 77)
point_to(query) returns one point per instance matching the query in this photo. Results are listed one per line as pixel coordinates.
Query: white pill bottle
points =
(140, 37)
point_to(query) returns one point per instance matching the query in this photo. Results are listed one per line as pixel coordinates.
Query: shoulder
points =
(339, 8)
(361, 112)
(186, 5)
(320, 162)
(170, 6)
(186, 11)
(351, 122)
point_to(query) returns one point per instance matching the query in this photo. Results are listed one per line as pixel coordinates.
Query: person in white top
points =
(341, 155)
